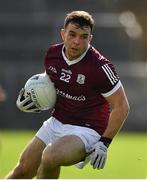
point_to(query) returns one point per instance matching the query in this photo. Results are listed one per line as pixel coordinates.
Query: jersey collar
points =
(75, 60)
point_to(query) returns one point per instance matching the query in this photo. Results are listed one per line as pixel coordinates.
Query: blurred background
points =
(28, 27)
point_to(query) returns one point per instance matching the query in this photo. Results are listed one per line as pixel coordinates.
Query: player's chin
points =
(75, 55)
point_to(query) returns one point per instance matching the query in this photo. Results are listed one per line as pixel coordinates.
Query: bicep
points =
(118, 98)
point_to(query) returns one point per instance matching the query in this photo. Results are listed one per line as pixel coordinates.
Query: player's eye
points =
(84, 37)
(72, 35)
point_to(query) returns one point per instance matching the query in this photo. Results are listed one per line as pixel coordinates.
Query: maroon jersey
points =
(82, 86)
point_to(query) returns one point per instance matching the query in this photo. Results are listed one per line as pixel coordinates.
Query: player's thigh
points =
(31, 156)
(67, 150)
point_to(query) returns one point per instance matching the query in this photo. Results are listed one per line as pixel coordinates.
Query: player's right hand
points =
(25, 104)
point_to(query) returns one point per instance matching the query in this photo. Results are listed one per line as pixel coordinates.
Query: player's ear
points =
(62, 33)
(90, 38)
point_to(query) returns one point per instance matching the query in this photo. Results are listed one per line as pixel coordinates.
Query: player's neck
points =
(66, 56)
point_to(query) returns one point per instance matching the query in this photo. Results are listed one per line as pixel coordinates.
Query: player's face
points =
(76, 40)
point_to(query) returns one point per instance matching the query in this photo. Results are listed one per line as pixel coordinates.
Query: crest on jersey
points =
(81, 79)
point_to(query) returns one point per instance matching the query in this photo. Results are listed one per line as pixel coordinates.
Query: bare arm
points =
(119, 113)
(120, 109)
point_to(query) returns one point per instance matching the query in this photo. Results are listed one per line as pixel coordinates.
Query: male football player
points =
(91, 106)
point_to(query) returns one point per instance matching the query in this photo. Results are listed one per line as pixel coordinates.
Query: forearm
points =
(116, 120)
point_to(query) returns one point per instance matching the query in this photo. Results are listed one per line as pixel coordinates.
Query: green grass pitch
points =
(127, 157)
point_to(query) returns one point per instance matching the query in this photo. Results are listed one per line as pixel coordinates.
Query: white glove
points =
(99, 155)
(25, 104)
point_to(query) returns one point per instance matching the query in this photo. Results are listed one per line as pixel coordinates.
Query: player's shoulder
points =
(97, 58)
(100, 63)
(53, 50)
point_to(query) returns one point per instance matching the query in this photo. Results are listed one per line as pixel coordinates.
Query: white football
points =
(42, 91)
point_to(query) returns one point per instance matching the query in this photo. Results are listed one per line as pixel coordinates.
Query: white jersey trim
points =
(74, 61)
(110, 74)
(116, 87)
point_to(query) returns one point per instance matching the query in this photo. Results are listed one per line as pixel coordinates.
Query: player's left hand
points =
(99, 156)
(99, 153)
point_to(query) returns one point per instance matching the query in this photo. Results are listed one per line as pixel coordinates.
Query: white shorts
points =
(52, 129)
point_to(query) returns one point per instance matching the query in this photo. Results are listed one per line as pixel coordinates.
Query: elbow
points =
(126, 109)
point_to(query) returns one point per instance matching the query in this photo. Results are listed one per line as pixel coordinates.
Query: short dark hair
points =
(82, 18)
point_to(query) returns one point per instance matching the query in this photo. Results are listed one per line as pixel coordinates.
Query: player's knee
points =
(20, 171)
(23, 170)
(50, 158)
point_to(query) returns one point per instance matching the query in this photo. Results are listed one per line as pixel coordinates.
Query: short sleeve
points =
(110, 80)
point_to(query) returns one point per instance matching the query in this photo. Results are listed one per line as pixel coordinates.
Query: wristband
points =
(106, 141)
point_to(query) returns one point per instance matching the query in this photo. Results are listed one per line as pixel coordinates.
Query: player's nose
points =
(77, 40)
